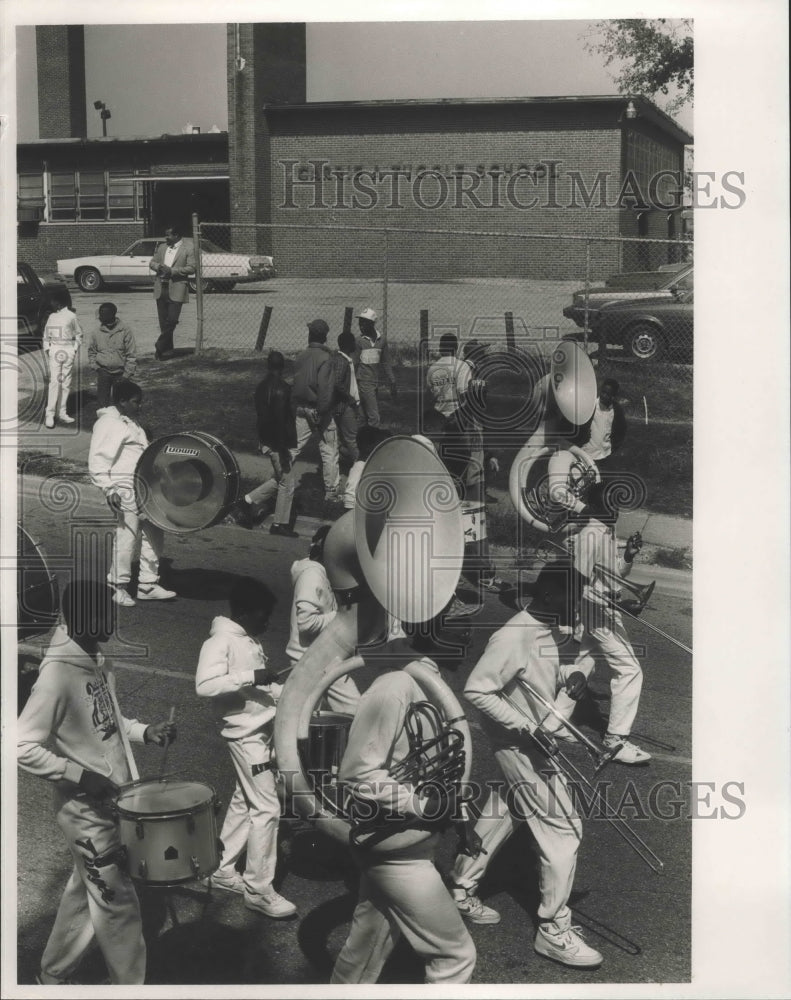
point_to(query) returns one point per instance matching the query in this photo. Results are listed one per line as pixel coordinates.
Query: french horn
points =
(399, 552)
(550, 476)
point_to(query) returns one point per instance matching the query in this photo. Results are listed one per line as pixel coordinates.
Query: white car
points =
(221, 270)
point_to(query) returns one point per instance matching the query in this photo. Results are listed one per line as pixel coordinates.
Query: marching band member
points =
(604, 634)
(312, 609)
(73, 704)
(401, 891)
(527, 647)
(232, 672)
(117, 442)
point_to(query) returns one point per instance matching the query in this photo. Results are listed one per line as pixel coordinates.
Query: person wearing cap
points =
(312, 399)
(372, 360)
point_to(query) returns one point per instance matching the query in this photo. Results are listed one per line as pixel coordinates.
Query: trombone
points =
(570, 771)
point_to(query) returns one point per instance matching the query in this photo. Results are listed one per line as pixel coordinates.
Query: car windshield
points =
(211, 247)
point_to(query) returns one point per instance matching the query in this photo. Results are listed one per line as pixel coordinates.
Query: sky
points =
(126, 66)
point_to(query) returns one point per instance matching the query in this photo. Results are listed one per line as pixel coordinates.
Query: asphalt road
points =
(638, 919)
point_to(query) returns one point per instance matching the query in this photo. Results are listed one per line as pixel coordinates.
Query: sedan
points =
(33, 305)
(221, 270)
(647, 329)
(629, 285)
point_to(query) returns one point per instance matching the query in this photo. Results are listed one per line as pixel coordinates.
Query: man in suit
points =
(173, 264)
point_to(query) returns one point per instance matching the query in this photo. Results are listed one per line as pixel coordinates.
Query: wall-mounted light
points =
(630, 111)
(104, 114)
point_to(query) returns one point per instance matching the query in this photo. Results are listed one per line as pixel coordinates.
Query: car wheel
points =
(208, 286)
(644, 342)
(89, 280)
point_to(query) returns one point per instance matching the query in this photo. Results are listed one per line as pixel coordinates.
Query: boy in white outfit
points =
(312, 609)
(527, 648)
(60, 342)
(117, 442)
(73, 708)
(232, 672)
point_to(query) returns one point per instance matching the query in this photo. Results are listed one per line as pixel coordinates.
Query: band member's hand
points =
(160, 733)
(164, 271)
(633, 545)
(545, 741)
(264, 677)
(576, 683)
(97, 785)
(114, 501)
(492, 465)
(438, 803)
(470, 842)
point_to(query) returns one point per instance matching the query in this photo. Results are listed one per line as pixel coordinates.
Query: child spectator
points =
(232, 672)
(73, 708)
(112, 353)
(60, 342)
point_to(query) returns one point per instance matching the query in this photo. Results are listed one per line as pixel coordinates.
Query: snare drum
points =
(169, 830)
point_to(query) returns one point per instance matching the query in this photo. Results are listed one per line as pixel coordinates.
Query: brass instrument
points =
(642, 594)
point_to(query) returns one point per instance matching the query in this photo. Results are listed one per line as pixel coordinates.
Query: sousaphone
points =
(550, 476)
(399, 552)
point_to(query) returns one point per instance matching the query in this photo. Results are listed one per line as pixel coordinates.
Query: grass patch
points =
(36, 463)
(673, 558)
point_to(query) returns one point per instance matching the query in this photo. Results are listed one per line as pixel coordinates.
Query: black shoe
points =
(283, 530)
(243, 515)
(157, 353)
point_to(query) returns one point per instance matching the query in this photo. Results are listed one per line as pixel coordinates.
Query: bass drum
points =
(186, 482)
(37, 595)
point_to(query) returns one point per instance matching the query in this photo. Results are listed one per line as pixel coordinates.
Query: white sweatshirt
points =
(313, 606)
(228, 660)
(71, 706)
(378, 741)
(523, 648)
(62, 330)
(116, 446)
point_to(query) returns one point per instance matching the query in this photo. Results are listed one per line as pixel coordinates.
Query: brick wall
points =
(52, 242)
(60, 58)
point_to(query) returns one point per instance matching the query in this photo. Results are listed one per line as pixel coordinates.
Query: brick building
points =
(575, 166)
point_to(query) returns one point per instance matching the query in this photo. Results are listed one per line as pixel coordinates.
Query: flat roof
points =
(109, 140)
(646, 107)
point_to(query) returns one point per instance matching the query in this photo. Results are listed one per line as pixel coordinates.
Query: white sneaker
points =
(458, 609)
(566, 946)
(271, 903)
(123, 598)
(153, 592)
(471, 907)
(629, 753)
(65, 418)
(230, 883)
(49, 422)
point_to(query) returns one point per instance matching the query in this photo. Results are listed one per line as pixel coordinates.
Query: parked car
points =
(221, 270)
(33, 305)
(629, 285)
(647, 329)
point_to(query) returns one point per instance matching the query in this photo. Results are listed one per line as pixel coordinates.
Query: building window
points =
(123, 199)
(93, 199)
(62, 197)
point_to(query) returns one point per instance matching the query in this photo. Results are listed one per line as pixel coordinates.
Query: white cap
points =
(367, 313)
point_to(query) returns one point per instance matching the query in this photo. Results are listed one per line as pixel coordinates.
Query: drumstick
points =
(171, 717)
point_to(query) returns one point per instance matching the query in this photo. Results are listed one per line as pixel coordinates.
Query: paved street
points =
(638, 919)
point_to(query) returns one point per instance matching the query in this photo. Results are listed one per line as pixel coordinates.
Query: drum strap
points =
(260, 768)
(119, 721)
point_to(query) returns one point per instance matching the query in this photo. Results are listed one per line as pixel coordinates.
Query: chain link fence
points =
(629, 300)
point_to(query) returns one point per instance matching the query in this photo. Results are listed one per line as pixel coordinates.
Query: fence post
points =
(198, 283)
(348, 312)
(587, 286)
(423, 353)
(510, 339)
(259, 344)
(384, 290)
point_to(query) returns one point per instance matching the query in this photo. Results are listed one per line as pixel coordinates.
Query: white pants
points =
(542, 800)
(253, 815)
(328, 448)
(99, 902)
(61, 365)
(133, 533)
(403, 893)
(605, 637)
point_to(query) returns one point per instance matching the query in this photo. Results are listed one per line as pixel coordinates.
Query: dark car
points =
(629, 285)
(33, 305)
(647, 329)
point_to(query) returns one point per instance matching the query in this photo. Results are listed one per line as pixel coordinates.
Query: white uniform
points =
(117, 442)
(73, 705)
(604, 633)
(61, 340)
(401, 891)
(524, 648)
(228, 660)
(312, 609)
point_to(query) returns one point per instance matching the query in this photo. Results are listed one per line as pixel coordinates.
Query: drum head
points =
(159, 798)
(185, 482)
(38, 598)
